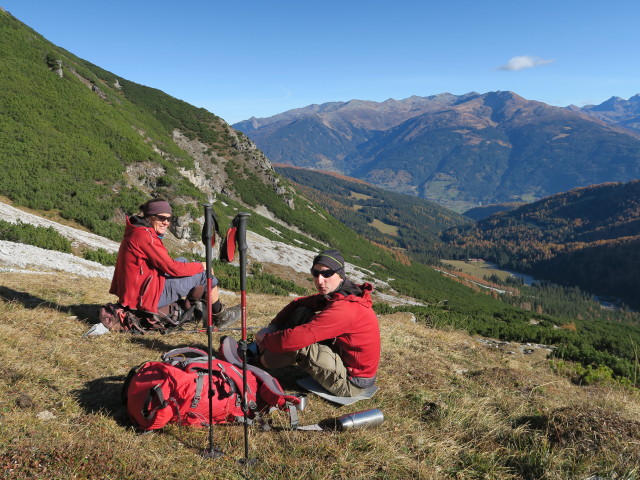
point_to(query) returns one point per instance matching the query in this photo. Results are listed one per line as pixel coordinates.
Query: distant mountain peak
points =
(617, 111)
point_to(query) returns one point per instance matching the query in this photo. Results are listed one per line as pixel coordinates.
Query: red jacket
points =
(349, 320)
(143, 261)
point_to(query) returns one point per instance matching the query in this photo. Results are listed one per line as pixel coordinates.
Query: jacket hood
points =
(135, 223)
(349, 288)
(351, 292)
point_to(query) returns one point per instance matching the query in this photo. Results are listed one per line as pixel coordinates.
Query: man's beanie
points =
(332, 259)
(155, 207)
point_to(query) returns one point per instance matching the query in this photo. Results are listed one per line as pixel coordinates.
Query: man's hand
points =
(264, 331)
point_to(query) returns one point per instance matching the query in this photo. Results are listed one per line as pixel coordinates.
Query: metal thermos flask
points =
(359, 420)
(303, 402)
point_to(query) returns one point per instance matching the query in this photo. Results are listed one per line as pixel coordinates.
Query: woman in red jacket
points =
(333, 335)
(147, 278)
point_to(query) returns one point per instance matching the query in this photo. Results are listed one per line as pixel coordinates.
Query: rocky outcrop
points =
(208, 175)
(58, 69)
(144, 175)
(181, 226)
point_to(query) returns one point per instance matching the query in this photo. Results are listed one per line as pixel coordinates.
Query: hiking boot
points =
(227, 316)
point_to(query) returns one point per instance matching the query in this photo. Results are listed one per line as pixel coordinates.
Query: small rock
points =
(24, 401)
(45, 415)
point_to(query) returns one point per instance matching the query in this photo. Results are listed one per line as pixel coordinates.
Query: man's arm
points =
(331, 322)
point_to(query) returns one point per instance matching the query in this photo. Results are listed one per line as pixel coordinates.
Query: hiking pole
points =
(207, 236)
(241, 222)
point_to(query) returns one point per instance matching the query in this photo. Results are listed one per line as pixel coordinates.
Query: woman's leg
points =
(177, 287)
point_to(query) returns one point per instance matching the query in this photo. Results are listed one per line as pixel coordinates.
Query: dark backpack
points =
(122, 319)
(176, 390)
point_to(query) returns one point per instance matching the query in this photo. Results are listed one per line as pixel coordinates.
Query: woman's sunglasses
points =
(162, 218)
(324, 273)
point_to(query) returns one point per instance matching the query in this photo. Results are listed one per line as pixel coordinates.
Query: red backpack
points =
(176, 390)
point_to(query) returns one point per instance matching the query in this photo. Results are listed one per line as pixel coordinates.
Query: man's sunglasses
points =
(324, 273)
(162, 218)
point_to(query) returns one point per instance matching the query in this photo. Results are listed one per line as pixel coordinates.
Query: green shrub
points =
(41, 237)
(101, 256)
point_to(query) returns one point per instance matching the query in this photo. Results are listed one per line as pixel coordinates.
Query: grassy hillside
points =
(82, 141)
(454, 407)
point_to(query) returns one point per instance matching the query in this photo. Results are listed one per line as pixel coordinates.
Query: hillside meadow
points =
(454, 407)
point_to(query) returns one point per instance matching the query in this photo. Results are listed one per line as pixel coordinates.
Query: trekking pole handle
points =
(207, 230)
(242, 230)
(241, 238)
(207, 235)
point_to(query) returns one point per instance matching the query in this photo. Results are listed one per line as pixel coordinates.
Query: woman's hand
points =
(204, 264)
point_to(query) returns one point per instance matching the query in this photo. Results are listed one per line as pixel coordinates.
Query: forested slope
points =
(587, 237)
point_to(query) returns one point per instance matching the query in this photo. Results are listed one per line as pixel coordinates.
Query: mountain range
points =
(461, 151)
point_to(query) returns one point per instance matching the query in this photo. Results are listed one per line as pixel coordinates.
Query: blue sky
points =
(257, 58)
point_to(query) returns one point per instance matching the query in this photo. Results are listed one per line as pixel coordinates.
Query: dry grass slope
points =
(454, 408)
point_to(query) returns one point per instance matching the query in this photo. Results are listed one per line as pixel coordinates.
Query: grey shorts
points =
(177, 287)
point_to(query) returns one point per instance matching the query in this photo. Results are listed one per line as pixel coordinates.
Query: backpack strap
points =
(156, 392)
(199, 386)
(194, 359)
(184, 356)
(173, 315)
(229, 352)
(233, 384)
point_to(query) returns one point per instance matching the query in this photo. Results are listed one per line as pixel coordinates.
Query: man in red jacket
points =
(147, 278)
(333, 335)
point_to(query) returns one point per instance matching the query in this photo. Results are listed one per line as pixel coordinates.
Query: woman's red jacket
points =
(143, 262)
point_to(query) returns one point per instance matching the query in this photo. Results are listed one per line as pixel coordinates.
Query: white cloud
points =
(525, 61)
